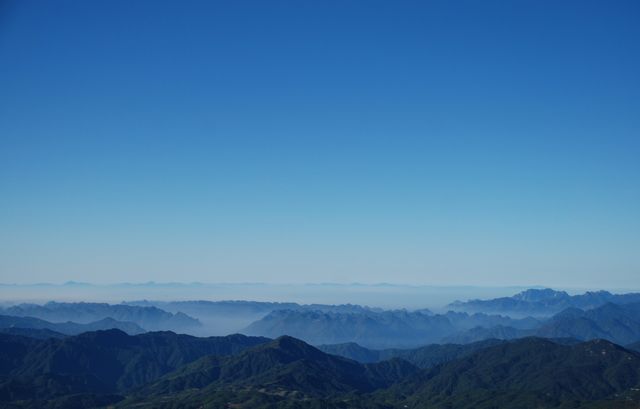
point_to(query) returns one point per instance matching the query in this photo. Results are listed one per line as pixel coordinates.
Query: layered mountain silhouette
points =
(366, 358)
(616, 323)
(11, 324)
(619, 323)
(233, 316)
(543, 302)
(387, 329)
(149, 318)
(38, 333)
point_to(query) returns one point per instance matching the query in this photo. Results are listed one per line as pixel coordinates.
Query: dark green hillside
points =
(285, 364)
(101, 362)
(13, 349)
(165, 370)
(37, 333)
(527, 373)
(634, 347)
(353, 351)
(432, 355)
(423, 357)
(530, 373)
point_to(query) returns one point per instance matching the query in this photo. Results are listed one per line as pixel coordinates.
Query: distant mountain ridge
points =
(387, 329)
(234, 316)
(67, 328)
(245, 307)
(149, 318)
(619, 323)
(542, 302)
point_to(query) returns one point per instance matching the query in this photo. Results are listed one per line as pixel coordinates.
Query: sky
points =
(417, 142)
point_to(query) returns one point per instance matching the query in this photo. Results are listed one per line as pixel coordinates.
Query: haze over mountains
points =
(616, 322)
(68, 327)
(383, 295)
(149, 318)
(608, 316)
(321, 355)
(543, 302)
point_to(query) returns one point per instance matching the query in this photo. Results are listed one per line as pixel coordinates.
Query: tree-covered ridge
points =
(166, 370)
(101, 362)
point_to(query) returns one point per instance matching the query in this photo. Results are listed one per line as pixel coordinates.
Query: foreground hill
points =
(285, 365)
(523, 374)
(165, 370)
(10, 324)
(528, 373)
(102, 362)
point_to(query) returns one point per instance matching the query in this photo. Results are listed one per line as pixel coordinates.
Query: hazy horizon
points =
(381, 295)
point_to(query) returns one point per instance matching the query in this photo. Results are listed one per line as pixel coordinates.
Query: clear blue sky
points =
(430, 142)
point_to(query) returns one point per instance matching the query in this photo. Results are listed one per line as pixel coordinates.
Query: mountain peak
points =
(534, 295)
(293, 347)
(108, 337)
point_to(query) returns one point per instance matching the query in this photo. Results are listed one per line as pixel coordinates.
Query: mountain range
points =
(619, 323)
(542, 302)
(223, 317)
(283, 365)
(100, 362)
(528, 373)
(28, 325)
(83, 355)
(423, 357)
(386, 329)
(150, 318)
(320, 324)
(166, 370)
(616, 323)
